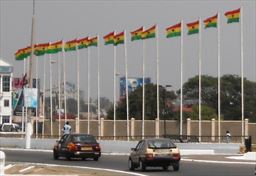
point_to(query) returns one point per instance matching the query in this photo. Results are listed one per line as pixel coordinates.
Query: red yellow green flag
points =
(70, 45)
(233, 16)
(83, 43)
(109, 38)
(119, 38)
(23, 53)
(93, 41)
(40, 49)
(193, 28)
(173, 31)
(149, 33)
(137, 34)
(211, 22)
(54, 47)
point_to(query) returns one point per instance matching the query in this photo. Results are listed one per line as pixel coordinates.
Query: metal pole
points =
(200, 72)
(37, 96)
(219, 101)
(143, 87)
(242, 73)
(78, 89)
(51, 93)
(88, 91)
(59, 94)
(98, 52)
(64, 81)
(181, 79)
(114, 93)
(126, 89)
(157, 78)
(44, 99)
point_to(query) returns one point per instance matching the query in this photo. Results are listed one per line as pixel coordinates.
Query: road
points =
(187, 168)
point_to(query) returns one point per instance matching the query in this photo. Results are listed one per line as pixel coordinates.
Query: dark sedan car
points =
(77, 146)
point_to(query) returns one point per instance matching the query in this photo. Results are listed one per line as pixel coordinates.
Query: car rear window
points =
(160, 144)
(83, 139)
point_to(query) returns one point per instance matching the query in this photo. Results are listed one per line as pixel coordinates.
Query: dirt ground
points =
(54, 170)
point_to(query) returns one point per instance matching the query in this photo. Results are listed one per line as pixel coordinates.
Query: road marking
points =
(83, 167)
(26, 169)
(8, 166)
(218, 162)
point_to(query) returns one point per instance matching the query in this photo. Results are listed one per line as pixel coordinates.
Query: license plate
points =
(163, 151)
(86, 148)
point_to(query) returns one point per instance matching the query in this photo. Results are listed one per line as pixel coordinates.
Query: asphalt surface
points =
(189, 165)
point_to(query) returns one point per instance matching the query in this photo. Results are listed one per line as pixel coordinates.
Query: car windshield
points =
(160, 144)
(83, 139)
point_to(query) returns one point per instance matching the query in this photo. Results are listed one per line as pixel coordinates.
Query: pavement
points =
(51, 169)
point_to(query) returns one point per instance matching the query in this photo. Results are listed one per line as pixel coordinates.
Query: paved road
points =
(188, 168)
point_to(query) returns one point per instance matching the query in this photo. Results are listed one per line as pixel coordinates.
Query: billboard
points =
(133, 83)
(30, 97)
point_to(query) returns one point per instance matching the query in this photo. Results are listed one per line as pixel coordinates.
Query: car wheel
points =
(142, 165)
(55, 155)
(68, 158)
(165, 168)
(176, 166)
(96, 158)
(131, 165)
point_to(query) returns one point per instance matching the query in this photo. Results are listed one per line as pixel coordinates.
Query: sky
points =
(70, 19)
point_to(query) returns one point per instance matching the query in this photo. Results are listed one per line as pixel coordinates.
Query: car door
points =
(137, 151)
(62, 143)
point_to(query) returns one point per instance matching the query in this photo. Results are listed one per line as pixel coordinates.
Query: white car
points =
(10, 127)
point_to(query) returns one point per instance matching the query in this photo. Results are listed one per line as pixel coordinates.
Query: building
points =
(6, 71)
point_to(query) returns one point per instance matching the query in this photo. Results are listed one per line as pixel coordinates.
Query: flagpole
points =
(143, 86)
(242, 73)
(38, 96)
(88, 91)
(126, 89)
(200, 72)
(51, 93)
(59, 94)
(23, 109)
(64, 80)
(181, 78)
(157, 76)
(218, 33)
(114, 92)
(98, 53)
(78, 89)
(44, 98)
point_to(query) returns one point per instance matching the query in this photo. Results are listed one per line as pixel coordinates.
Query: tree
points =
(135, 103)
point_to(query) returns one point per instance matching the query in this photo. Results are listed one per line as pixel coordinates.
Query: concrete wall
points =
(209, 128)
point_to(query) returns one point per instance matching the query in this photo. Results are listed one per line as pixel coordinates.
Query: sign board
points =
(133, 83)
(30, 97)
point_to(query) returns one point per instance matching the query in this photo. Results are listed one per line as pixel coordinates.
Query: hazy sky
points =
(69, 19)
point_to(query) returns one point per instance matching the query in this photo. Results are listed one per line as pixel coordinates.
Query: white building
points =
(5, 92)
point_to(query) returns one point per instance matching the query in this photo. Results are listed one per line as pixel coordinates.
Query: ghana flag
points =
(82, 43)
(136, 35)
(93, 41)
(211, 22)
(70, 45)
(40, 49)
(109, 38)
(173, 31)
(193, 28)
(23, 53)
(119, 38)
(149, 33)
(54, 47)
(233, 16)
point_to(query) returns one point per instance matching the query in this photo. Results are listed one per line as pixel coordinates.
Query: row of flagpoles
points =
(114, 39)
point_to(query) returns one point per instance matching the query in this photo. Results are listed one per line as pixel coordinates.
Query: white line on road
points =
(218, 162)
(26, 169)
(8, 166)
